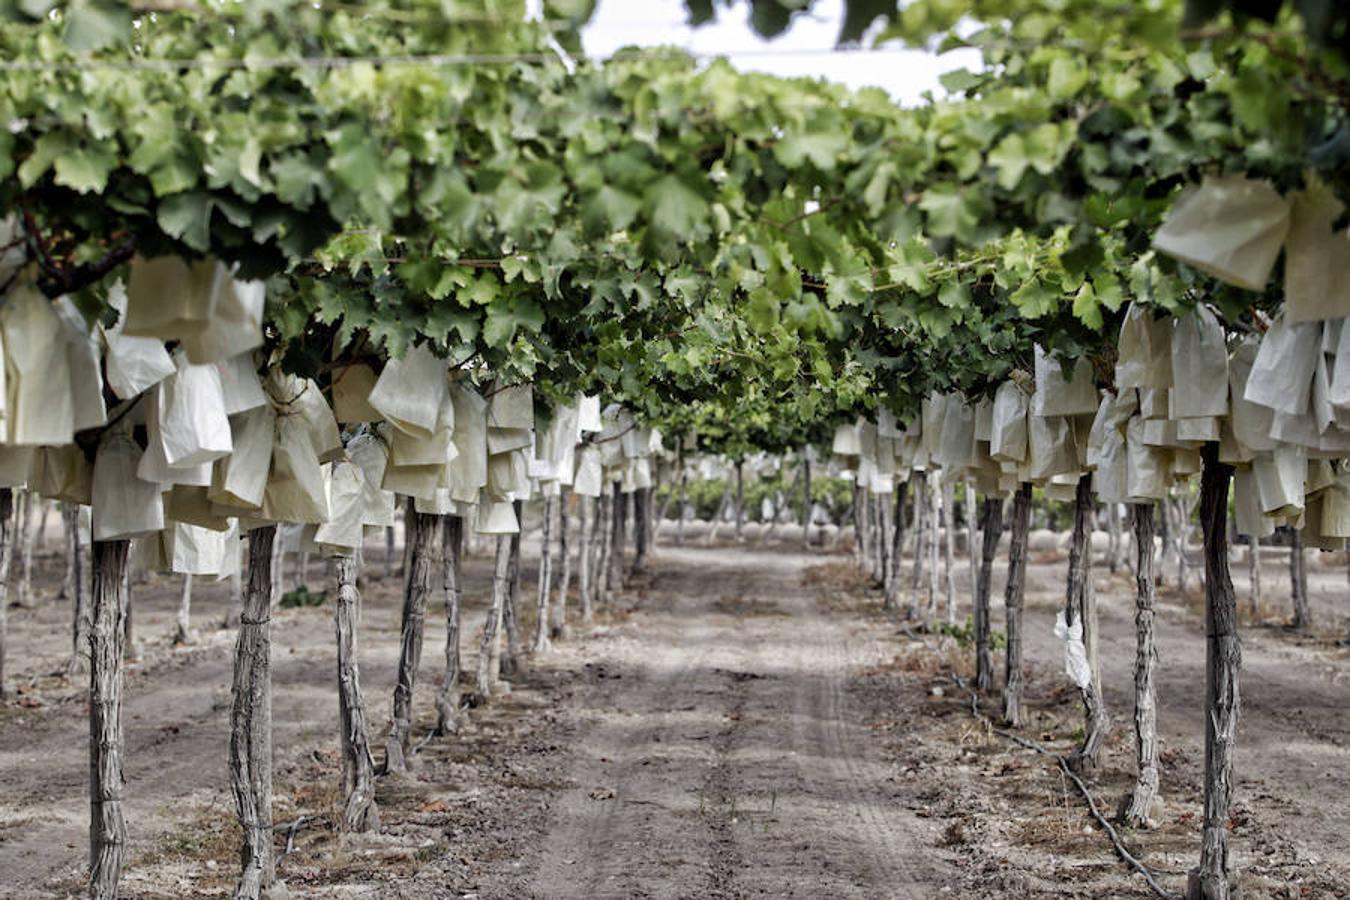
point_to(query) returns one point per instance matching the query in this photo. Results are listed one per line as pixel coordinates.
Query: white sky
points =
(805, 50)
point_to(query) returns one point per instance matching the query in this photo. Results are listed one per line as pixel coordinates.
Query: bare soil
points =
(743, 721)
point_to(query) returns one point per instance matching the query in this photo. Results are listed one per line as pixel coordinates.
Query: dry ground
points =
(743, 722)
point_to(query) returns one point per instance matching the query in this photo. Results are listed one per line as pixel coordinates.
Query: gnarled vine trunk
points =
(27, 533)
(806, 500)
(1140, 810)
(1254, 572)
(948, 550)
(487, 648)
(920, 538)
(619, 529)
(1298, 581)
(860, 548)
(933, 536)
(183, 631)
(107, 827)
(545, 586)
(251, 721)
(590, 509)
(1223, 662)
(1014, 593)
(452, 556)
(421, 532)
(891, 588)
(1081, 606)
(510, 661)
(76, 590)
(558, 628)
(740, 500)
(991, 524)
(359, 812)
(642, 507)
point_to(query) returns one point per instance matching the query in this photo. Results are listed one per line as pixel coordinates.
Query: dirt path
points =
(719, 757)
(744, 722)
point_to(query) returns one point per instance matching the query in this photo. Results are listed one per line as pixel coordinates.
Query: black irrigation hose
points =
(1082, 789)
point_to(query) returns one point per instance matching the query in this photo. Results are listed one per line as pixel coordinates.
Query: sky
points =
(807, 49)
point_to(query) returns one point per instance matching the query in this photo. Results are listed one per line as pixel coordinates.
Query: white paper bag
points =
(62, 473)
(1199, 366)
(1051, 448)
(956, 446)
(341, 535)
(16, 465)
(241, 478)
(496, 517)
(467, 472)
(409, 391)
(191, 550)
(589, 480)
(39, 407)
(1231, 227)
(296, 491)
(241, 384)
(235, 324)
(1008, 430)
(504, 440)
(1282, 374)
(588, 413)
(369, 452)
(1279, 479)
(1057, 397)
(1247, 506)
(169, 298)
(511, 407)
(1144, 350)
(86, 372)
(507, 473)
(352, 387)
(193, 425)
(435, 449)
(193, 506)
(124, 506)
(845, 441)
(1316, 259)
(1251, 422)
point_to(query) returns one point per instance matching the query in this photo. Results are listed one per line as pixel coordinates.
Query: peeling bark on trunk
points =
(880, 538)
(183, 633)
(933, 535)
(891, 594)
(585, 554)
(806, 501)
(604, 539)
(860, 525)
(920, 539)
(642, 506)
(77, 591)
(1013, 596)
(558, 628)
(948, 551)
(278, 557)
(420, 530)
(487, 648)
(1164, 523)
(509, 657)
(544, 590)
(70, 533)
(740, 501)
(129, 648)
(250, 750)
(24, 593)
(972, 534)
(359, 812)
(1298, 581)
(389, 551)
(1112, 537)
(619, 527)
(1209, 881)
(991, 525)
(1081, 605)
(107, 827)
(452, 558)
(1140, 811)
(1254, 573)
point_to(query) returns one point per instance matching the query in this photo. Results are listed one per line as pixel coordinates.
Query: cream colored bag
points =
(86, 371)
(845, 441)
(16, 465)
(1231, 227)
(302, 397)
(1316, 259)
(1279, 479)
(436, 449)
(352, 387)
(1146, 466)
(496, 517)
(240, 479)
(589, 480)
(134, 364)
(169, 298)
(507, 474)
(504, 440)
(242, 387)
(296, 491)
(1199, 367)
(1282, 374)
(62, 473)
(1056, 397)
(588, 414)
(371, 454)
(193, 425)
(39, 407)
(467, 472)
(1144, 351)
(1051, 447)
(511, 407)
(439, 505)
(154, 465)
(1336, 507)
(887, 427)
(956, 446)
(341, 534)
(124, 506)
(1251, 422)
(1008, 431)
(410, 390)
(1247, 506)
(191, 550)
(193, 506)
(235, 323)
